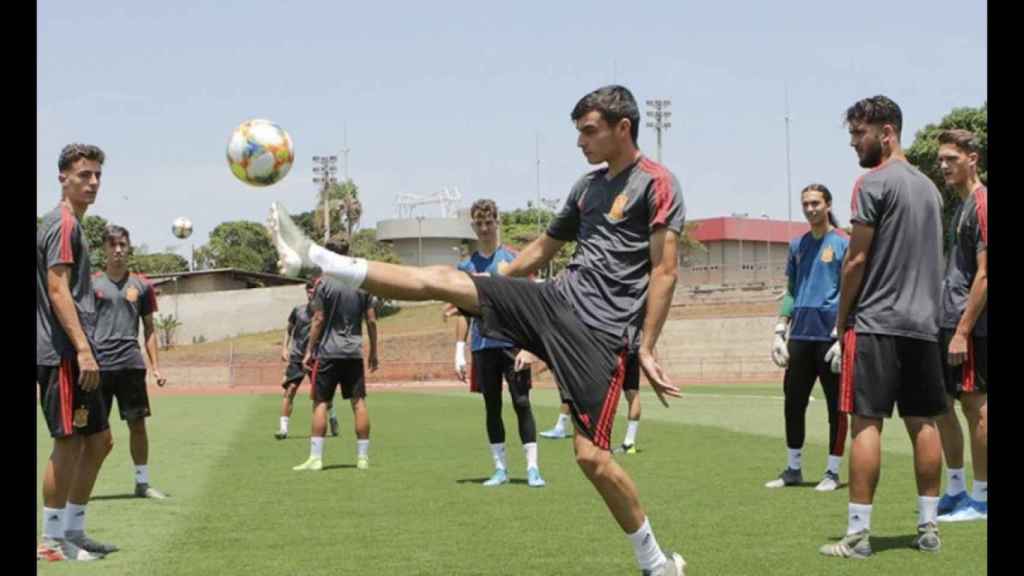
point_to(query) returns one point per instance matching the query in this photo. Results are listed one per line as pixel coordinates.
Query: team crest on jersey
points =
(618, 207)
(81, 417)
(132, 294)
(99, 294)
(828, 255)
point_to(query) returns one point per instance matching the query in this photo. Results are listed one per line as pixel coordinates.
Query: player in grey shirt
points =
(66, 369)
(293, 349)
(626, 219)
(122, 299)
(964, 329)
(334, 357)
(886, 349)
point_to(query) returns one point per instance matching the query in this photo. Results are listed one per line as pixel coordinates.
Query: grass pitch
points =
(238, 508)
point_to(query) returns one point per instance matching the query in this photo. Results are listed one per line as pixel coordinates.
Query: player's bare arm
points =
(58, 282)
(537, 254)
(853, 273)
(371, 331)
(316, 329)
(664, 264)
(149, 332)
(976, 301)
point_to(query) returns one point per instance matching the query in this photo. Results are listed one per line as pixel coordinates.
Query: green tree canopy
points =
(240, 244)
(923, 153)
(160, 263)
(94, 225)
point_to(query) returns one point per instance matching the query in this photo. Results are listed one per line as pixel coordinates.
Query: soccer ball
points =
(182, 227)
(260, 153)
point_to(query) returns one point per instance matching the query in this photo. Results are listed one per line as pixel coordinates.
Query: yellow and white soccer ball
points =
(260, 153)
(182, 227)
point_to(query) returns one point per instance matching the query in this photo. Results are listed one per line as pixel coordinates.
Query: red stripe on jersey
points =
(981, 208)
(64, 385)
(312, 378)
(662, 189)
(853, 198)
(603, 430)
(67, 224)
(846, 373)
(152, 291)
(968, 367)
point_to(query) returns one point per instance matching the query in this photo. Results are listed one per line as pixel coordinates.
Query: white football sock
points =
(284, 424)
(347, 270)
(793, 457)
(834, 463)
(316, 447)
(74, 518)
(648, 555)
(927, 509)
(631, 428)
(563, 422)
(859, 518)
(980, 491)
(498, 453)
(53, 522)
(956, 481)
(530, 450)
(362, 448)
(142, 474)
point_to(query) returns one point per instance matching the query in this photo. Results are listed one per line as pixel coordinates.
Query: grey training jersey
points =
(902, 282)
(968, 235)
(119, 307)
(344, 309)
(612, 221)
(60, 240)
(298, 326)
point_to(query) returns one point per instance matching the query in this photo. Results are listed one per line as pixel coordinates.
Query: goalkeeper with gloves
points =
(805, 341)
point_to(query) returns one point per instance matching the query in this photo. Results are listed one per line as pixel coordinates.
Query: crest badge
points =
(827, 255)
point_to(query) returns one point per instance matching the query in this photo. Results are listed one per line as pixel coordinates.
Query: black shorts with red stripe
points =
(330, 373)
(69, 409)
(972, 374)
(589, 365)
(880, 371)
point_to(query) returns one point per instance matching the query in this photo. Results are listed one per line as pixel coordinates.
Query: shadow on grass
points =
(336, 466)
(116, 497)
(884, 543)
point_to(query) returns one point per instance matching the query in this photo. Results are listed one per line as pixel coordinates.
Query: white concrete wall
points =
(221, 315)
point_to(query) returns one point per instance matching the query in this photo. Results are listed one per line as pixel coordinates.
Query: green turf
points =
(238, 508)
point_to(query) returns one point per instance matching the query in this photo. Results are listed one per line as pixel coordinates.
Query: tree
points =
(346, 210)
(923, 153)
(166, 325)
(365, 245)
(240, 244)
(94, 225)
(157, 263)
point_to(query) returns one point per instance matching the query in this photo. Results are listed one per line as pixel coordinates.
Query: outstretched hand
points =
(656, 376)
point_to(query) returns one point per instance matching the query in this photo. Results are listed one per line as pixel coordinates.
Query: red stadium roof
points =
(748, 229)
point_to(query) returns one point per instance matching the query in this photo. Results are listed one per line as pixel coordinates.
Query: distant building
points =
(424, 241)
(739, 250)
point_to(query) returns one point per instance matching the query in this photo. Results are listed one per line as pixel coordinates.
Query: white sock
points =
(980, 491)
(563, 420)
(284, 424)
(794, 457)
(498, 453)
(316, 447)
(362, 448)
(74, 518)
(53, 522)
(631, 427)
(927, 509)
(648, 555)
(142, 474)
(531, 454)
(859, 518)
(347, 270)
(956, 481)
(833, 464)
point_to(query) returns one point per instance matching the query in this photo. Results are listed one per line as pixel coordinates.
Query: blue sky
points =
(458, 93)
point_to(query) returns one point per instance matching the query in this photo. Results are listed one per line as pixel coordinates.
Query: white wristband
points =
(460, 349)
(780, 328)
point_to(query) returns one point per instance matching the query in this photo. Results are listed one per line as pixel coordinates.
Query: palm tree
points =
(346, 209)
